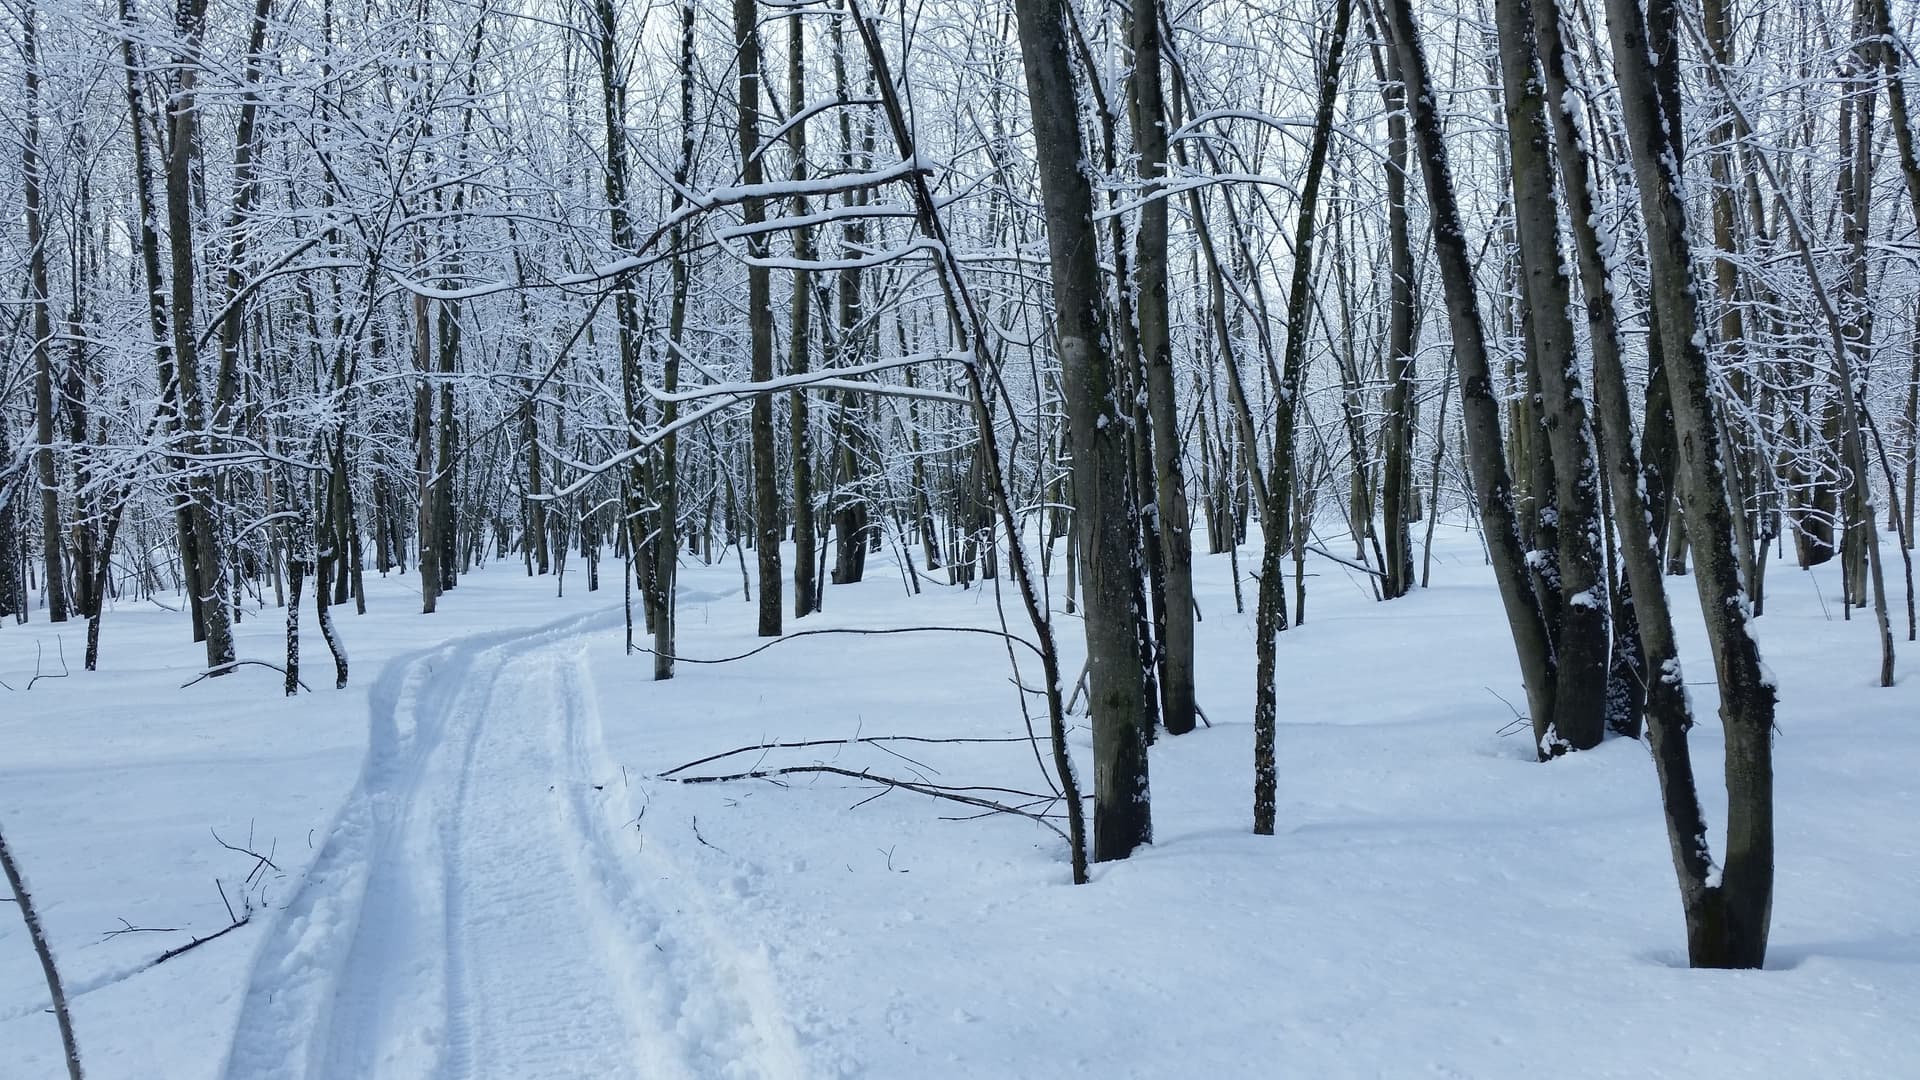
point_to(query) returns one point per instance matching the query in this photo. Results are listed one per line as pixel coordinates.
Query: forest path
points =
(477, 911)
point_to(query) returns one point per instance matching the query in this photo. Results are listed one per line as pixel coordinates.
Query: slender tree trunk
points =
(1479, 406)
(766, 492)
(1731, 927)
(13, 593)
(1397, 449)
(1172, 524)
(52, 531)
(800, 332)
(17, 883)
(205, 572)
(1269, 611)
(667, 545)
(429, 547)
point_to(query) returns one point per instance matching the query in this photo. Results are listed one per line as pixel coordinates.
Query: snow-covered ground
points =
(478, 871)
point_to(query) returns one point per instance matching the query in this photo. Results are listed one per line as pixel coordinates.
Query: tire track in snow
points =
(474, 913)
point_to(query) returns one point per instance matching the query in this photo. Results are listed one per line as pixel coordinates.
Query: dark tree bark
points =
(52, 531)
(205, 572)
(13, 592)
(1730, 928)
(1104, 514)
(1270, 609)
(1397, 439)
(800, 334)
(1583, 643)
(1668, 712)
(766, 491)
(1479, 405)
(667, 544)
(1174, 614)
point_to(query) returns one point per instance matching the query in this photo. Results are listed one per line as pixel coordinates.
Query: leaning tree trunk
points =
(1096, 423)
(1479, 405)
(1730, 929)
(1668, 712)
(17, 884)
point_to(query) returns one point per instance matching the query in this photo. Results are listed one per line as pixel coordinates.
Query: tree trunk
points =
(205, 573)
(1584, 640)
(766, 491)
(1479, 406)
(1730, 929)
(52, 531)
(1174, 616)
(800, 332)
(1397, 439)
(1104, 515)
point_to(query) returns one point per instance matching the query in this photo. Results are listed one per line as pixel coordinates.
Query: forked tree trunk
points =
(1583, 644)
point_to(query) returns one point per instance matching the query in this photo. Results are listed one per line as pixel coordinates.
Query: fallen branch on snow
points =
(877, 740)
(937, 791)
(222, 669)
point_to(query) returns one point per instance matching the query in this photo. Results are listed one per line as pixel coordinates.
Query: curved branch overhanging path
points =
(478, 911)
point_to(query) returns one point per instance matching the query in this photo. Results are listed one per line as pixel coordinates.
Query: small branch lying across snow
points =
(937, 791)
(876, 740)
(222, 669)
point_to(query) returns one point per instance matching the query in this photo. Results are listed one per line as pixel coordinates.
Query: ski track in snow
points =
(481, 910)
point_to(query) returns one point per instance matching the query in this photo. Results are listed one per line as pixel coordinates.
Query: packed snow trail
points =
(475, 914)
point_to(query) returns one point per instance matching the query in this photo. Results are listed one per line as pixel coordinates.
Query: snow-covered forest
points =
(851, 538)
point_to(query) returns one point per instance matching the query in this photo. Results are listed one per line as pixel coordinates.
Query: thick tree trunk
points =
(1104, 515)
